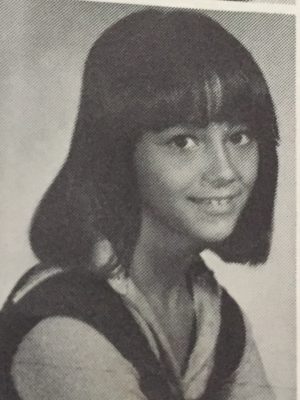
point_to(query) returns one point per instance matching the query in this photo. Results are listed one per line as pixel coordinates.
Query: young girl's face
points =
(196, 181)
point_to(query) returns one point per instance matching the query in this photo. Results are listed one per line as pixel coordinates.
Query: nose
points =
(220, 170)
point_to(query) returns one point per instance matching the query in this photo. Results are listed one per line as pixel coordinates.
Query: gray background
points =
(43, 47)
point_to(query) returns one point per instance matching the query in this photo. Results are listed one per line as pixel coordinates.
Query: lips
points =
(219, 198)
(216, 205)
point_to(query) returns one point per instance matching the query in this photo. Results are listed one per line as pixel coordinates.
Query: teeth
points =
(218, 202)
(221, 203)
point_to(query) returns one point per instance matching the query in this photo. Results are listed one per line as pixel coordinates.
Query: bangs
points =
(230, 97)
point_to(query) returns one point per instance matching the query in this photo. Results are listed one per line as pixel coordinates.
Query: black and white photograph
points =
(148, 202)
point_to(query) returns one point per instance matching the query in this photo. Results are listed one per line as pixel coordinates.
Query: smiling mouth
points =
(215, 204)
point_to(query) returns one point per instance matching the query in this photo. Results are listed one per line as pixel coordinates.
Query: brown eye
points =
(183, 142)
(240, 138)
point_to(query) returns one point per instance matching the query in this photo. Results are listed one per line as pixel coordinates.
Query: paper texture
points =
(44, 46)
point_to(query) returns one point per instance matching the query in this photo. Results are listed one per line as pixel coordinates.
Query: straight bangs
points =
(200, 99)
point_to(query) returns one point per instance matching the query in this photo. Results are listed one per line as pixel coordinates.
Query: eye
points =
(184, 142)
(240, 138)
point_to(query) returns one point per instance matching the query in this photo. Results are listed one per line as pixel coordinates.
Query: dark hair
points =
(151, 70)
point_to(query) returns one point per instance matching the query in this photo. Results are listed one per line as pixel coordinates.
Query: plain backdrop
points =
(43, 47)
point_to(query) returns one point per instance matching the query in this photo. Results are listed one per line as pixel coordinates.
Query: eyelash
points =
(245, 135)
(175, 141)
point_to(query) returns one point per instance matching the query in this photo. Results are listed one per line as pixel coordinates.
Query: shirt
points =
(64, 358)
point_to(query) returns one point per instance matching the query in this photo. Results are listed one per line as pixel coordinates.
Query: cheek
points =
(158, 177)
(252, 169)
(247, 167)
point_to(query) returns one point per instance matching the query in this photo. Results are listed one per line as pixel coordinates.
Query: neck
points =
(161, 259)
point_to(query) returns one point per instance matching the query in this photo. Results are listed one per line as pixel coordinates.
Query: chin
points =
(215, 234)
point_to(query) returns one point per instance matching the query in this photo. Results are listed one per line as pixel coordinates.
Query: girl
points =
(174, 152)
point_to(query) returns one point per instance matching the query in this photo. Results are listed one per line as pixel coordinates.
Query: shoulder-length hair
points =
(151, 70)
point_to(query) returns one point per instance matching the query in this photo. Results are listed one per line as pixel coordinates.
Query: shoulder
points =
(46, 291)
(250, 380)
(62, 357)
(35, 305)
(58, 349)
(63, 341)
(237, 360)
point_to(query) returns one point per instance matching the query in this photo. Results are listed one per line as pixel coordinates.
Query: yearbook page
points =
(148, 200)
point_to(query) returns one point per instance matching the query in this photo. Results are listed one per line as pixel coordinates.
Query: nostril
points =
(220, 170)
(221, 181)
